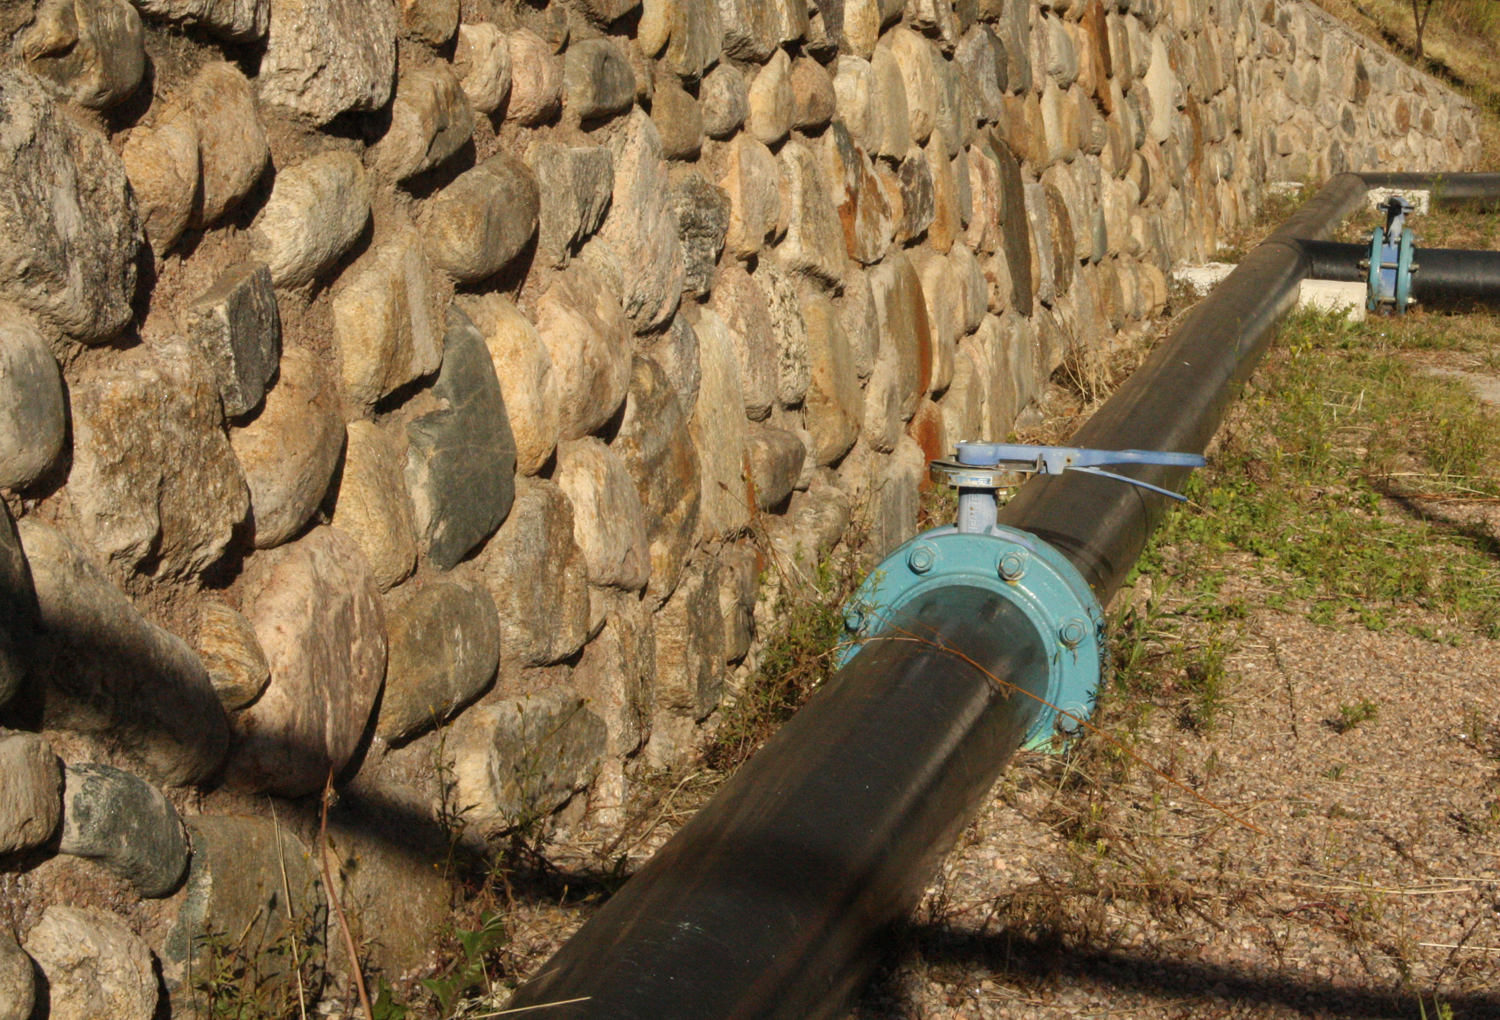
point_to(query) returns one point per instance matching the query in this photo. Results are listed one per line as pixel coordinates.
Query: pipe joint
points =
(1022, 569)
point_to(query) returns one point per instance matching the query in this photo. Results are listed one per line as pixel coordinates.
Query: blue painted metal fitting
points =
(1021, 568)
(1390, 263)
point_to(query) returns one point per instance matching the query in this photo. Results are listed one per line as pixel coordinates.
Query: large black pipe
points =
(769, 901)
(1445, 278)
(758, 906)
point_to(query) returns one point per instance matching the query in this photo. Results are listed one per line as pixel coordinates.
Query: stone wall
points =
(416, 393)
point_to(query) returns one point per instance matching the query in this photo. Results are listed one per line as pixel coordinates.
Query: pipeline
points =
(771, 902)
(1441, 278)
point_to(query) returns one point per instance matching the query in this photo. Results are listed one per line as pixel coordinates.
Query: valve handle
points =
(980, 465)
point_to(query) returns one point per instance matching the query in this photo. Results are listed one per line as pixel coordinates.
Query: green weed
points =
(1351, 716)
(1328, 484)
(794, 661)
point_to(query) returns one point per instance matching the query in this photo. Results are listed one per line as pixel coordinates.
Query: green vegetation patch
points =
(1329, 476)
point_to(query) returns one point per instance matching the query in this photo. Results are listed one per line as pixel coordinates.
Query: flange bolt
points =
(920, 560)
(1072, 633)
(1013, 565)
(854, 619)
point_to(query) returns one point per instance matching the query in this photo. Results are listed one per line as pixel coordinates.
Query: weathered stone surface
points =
(905, 334)
(676, 351)
(237, 326)
(814, 242)
(431, 21)
(581, 183)
(33, 412)
(481, 58)
(752, 180)
(231, 20)
(68, 229)
(374, 506)
(941, 290)
(17, 981)
(718, 429)
(523, 366)
(91, 51)
(461, 458)
(776, 458)
(479, 223)
(1015, 231)
(18, 610)
(94, 965)
(947, 220)
(638, 243)
(771, 100)
(918, 198)
(247, 875)
(325, 57)
(914, 58)
(154, 480)
(813, 100)
(317, 613)
(163, 165)
(854, 101)
(749, 28)
(106, 671)
(587, 337)
(725, 101)
(686, 34)
(703, 213)
(317, 209)
(616, 674)
(231, 653)
(863, 20)
(289, 452)
(444, 648)
(868, 219)
(835, 405)
(982, 58)
(896, 497)
(861, 324)
(537, 576)
(536, 78)
(597, 79)
(431, 119)
(232, 147)
(689, 659)
(656, 449)
(742, 302)
(125, 824)
(31, 799)
(814, 522)
(519, 759)
(609, 523)
(678, 120)
(784, 302)
(386, 321)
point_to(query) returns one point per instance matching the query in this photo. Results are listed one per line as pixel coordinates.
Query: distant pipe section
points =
(771, 901)
(1442, 278)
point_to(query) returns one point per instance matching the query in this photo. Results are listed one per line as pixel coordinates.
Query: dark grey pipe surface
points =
(1444, 277)
(768, 903)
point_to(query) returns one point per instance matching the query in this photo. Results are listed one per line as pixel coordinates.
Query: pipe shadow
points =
(1040, 960)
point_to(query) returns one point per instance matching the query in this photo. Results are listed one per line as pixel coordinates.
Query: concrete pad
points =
(1486, 388)
(1420, 201)
(1334, 295)
(1202, 279)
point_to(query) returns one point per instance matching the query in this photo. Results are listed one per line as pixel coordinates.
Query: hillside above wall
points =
(419, 394)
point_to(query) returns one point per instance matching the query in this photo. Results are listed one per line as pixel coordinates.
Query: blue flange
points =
(1019, 567)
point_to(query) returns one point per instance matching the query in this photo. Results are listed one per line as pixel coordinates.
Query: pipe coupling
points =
(1022, 569)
